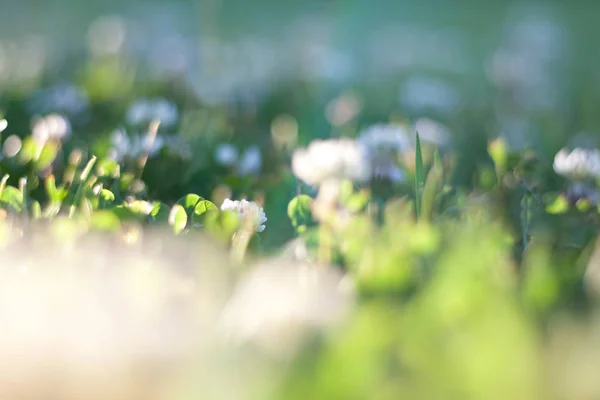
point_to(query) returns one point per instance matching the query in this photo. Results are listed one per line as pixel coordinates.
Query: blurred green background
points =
(524, 70)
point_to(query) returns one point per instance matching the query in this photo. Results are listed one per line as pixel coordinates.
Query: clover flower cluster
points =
(578, 164)
(332, 160)
(248, 211)
(52, 126)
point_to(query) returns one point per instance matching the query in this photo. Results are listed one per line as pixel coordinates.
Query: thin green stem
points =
(83, 178)
(3, 183)
(241, 241)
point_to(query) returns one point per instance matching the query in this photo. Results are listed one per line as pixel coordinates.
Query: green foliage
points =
(189, 201)
(432, 189)
(201, 210)
(178, 218)
(557, 204)
(12, 199)
(300, 213)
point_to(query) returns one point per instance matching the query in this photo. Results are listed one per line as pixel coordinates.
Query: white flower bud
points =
(247, 210)
(334, 159)
(53, 126)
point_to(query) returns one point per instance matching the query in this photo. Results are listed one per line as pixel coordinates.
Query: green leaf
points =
(160, 213)
(300, 213)
(188, 202)
(107, 197)
(56, 195)
(108, 168)
(47, 155)
(29, 150)
(85, 173)
(583, 205)
(558, 205)
(498, 151)
(3, 183)
(12, 198)
(141, 207)
(36, 210)
(432, 187)
(178, 218)
(200, 210)
(83, 178)
(419, 175)
(124, 183)
(437, 162)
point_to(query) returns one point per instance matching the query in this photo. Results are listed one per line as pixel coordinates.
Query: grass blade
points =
(3, 183)
(431, 189)
(419, 175)
(83, 178)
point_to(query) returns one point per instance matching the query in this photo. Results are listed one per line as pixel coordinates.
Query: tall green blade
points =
(419, 175)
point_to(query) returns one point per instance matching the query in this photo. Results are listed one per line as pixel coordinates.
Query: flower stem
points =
(151, 137)
(240, 242)
(325, 206)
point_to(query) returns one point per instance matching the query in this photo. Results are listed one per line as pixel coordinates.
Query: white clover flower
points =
(384, 143)
(3, 125)
(226, 154)
(247, 210)
(53, 126)
(145, 111)
(578, 164)
(250, 162)
(334, 159)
